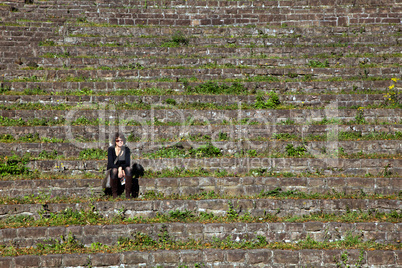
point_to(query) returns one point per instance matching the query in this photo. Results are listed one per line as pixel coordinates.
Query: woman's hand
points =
(121, 173)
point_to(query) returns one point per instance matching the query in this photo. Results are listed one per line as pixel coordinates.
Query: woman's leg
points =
(129, 181)
(114, 181)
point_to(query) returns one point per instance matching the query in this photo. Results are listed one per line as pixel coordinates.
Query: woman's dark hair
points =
(118, 135)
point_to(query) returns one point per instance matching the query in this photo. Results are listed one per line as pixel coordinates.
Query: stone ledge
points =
(231, 186)
(209, 257)
(256, 207)
(272, 231)
(330, 166)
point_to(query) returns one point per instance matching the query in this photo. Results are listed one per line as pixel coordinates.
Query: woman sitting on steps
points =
(120, 169)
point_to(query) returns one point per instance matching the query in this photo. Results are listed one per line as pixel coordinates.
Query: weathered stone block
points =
(6, 262)
(135, 257)
(104, 259)
(314, 226)
(166, 257)
(236, 255)
(310, 257)
(27, 261)
(75, 259)
(263, 256)
(380, 257)
(211, 255)
(285, 257)
(51, 261)
(191, 256)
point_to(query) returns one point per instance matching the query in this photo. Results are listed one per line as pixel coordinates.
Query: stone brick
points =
(263, 256)
(380, 257)
(105, 259)
(165, 257)
(6, 262)
(331, 256)
(191, 256)
(33, 232)
(211, 255)
(314, 226)
(75, 259)
(27, 261)
(366, 226)
(294, 227)
(399, 257)
(286, 257)
(6, 234)
(135, 257)
(236, 255)
(51, 261)
(310, 257)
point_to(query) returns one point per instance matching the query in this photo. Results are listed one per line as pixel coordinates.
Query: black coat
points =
(111, 157)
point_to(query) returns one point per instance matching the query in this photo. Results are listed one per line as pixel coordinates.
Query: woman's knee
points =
(113, 173)
(128, 171)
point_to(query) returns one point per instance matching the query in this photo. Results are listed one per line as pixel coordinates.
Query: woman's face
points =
(119, 142)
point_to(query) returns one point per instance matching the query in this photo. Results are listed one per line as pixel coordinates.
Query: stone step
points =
(225, 186)
(275, 3)
(174, 133)
(220, 207)
(68, 151)
(201, 73)
(14, 24)
(256, 41)
(184, 117)
(379, 232)
(212, 258)
(82, 88)
(328, 166)
(162, 63)
(170, 53)
(341, 100)
(270, 51)
(233, 31)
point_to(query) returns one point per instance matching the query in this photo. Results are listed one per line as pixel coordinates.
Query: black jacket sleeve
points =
(111, 157)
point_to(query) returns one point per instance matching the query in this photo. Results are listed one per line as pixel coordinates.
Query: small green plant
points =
(82, 20)
(220, 173)
(178, 39)
(93, 153)
(215, 88)
(223, 136)
(318, 64)
(231, 213)
(387, 172)
(14, 165)
(30, 138)
(285, 136)
(47, 43)
(6, 138)
(207, 150)
(295, 152)
(4, 89)
(288, 121)
(271, 103)
(170, 101)
(359, 118)
(48, 155)
(180, 215)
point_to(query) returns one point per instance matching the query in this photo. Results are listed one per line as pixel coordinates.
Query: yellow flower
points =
(394, 79)
(391, 86)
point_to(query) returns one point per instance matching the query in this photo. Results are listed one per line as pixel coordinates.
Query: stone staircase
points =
(270, 132)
